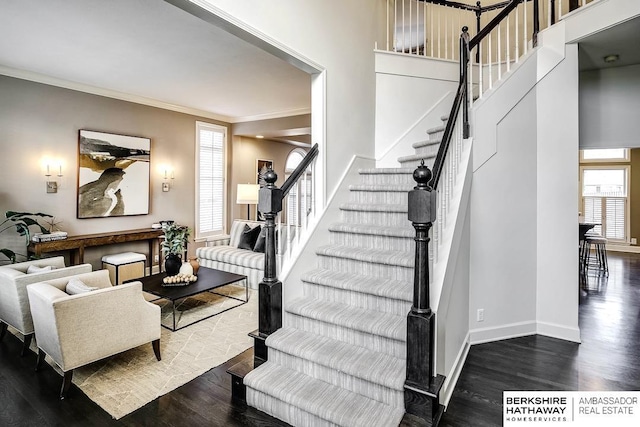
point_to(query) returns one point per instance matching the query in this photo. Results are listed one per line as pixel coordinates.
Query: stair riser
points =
(283, 411)
(333, 376)
(366, 268)
(377, 343)
(368, 241)
(390, 219)
(387, 179)
(416, 163)
(357, 299)
(427, 150)
(435, 135)
(379, 197)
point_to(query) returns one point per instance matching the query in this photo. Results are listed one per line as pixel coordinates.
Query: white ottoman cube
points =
(124, 266)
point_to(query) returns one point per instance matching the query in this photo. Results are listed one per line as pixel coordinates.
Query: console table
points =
(76, 244)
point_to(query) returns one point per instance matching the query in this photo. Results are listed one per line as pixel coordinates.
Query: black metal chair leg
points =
(66, 383)
(156, 349)
(40, 359)
(26, 344)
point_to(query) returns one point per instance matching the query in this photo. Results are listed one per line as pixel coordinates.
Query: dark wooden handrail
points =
(453, 4)
(297, 173)
(494, 23)
(448, 133)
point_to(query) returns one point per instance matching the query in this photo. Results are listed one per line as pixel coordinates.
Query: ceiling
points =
(152, 51)
(621, 40)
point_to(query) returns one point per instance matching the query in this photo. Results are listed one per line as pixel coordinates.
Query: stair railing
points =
(270, 202)
(429, 28)
(429, 203)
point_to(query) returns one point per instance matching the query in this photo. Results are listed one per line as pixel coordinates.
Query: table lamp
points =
(247, 194)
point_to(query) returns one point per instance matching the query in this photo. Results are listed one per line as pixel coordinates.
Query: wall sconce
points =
(52, 167)
(169, 174)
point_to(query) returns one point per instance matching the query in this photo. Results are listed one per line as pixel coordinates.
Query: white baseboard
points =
(623, 248)
(454, 373)
(559, 331)
(521, 329)
(513, 330)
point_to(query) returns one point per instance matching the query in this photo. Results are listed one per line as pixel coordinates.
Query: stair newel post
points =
(421, 386)
(464, 69)
(270, 288)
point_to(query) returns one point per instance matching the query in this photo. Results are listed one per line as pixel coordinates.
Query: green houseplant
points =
(22, 221)
(174, 244)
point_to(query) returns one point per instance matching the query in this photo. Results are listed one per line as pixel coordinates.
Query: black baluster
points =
(464, 62)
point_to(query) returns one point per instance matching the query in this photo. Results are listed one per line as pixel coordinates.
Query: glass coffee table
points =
(208, 280)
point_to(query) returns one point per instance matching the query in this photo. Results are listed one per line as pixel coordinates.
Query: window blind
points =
(211, 147)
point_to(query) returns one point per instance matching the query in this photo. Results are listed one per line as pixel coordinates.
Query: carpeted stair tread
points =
(426, 143)
(375, 230)
(379, 286)
(353, 360)
(380, 207)
(326, 401)
(381, 188)
(386, 171)
(413, 157)
(436, 129)
(378, 256)
(360, 319)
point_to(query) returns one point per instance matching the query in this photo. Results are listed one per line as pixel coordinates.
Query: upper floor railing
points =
(431, 28)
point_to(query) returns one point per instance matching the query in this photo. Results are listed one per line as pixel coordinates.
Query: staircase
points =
(339, 358)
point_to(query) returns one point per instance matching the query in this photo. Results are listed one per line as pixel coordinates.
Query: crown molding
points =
(80, 87)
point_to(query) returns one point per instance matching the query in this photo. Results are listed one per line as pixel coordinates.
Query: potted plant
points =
(174, 244)
(21, 221)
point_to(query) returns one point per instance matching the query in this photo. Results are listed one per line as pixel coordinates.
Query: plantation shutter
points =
(615, 223)
(593, 213)
(211, 144)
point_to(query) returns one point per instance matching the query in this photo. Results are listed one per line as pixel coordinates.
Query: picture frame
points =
(113, 174)
(262, 166)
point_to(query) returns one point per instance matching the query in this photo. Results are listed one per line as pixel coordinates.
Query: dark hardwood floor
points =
(607, 359)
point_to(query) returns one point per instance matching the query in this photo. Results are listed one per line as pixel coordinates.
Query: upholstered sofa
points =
(14, 304)
(93, 323)
(224, 254)
(227, 254)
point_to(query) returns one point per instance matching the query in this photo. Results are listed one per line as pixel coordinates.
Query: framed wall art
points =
(113, 175)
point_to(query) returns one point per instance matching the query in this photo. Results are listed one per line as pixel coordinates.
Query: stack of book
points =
(56, 235)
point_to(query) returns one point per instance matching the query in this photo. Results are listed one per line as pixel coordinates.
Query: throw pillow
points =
(260, 241)
(35, 269)
(77, 286)
(249, 237)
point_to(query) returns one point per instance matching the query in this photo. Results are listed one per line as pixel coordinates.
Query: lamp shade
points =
(247, 194)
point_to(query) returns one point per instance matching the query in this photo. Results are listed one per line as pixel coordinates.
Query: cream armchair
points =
(75, 330)
(14, 305)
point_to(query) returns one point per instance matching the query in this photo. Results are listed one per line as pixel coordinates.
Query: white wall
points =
(557, 208)
(503, 222)
(340, 37)
(609, 105)
(412, 94)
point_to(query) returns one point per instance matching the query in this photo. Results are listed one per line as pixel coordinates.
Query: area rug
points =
(127, 381)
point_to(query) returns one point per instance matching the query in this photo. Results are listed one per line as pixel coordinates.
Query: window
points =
(605, 155)
(605, 200)
(298, 200)
(211, 141)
